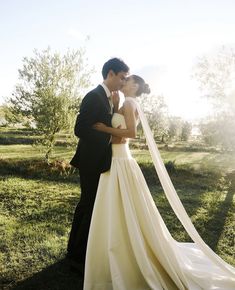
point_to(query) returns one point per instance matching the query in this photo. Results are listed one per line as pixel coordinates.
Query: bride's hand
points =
(115, 97)
(99, 127)
(115, 100)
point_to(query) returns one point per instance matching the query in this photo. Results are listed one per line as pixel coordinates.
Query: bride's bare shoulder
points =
(129, 106)
(129, 102)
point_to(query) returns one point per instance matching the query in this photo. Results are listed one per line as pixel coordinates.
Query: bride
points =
(129, 246)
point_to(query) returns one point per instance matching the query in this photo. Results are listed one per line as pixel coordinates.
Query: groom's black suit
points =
(92, 157)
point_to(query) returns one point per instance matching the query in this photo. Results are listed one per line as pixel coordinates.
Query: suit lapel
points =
(105, 100)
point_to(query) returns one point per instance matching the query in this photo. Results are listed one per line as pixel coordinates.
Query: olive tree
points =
(156, 112)
(215, 73)
(49, 91)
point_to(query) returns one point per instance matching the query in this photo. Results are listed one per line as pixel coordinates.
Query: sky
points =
(160, 40)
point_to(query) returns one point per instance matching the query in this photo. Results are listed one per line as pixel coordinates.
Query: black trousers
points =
(82, 217)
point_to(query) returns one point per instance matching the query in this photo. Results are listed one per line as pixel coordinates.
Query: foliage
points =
(179, 129)
(155, 110)
(165, 128)
(219, 132)
(3, 121)
(186, 131)
(12, 118)
(174, 127)
(49, 91)
(215, 74)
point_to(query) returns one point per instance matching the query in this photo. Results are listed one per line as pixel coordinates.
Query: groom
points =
(93, 154)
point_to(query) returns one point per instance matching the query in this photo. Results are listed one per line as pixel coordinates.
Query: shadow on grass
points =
(55, 277)
(57, 170)
(216, 223)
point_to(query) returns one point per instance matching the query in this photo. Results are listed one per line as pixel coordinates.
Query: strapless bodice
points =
(120, 150)
(117, 120)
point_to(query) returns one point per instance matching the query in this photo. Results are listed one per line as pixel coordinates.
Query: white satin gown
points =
(129, 246)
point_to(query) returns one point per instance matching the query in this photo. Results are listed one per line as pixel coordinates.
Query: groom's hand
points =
(118, 140)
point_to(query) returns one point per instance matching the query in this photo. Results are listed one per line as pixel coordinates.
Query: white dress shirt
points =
(107, 91)
(108, 94)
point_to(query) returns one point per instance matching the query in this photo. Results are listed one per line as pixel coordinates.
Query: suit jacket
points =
(94, 151)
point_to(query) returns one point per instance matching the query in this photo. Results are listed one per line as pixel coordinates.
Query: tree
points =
(49, 91)
(175, 128)
(218, 132)
(155, 110)
(215, 74)
(186, 131)
(12, 118)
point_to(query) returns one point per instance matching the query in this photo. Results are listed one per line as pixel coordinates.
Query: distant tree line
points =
(165, 128)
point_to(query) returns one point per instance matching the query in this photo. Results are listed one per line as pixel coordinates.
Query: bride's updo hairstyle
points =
(143, 87)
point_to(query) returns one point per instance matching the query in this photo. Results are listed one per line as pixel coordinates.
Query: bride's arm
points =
(130, 119)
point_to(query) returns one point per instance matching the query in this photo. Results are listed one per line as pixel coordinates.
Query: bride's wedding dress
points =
(129, 246)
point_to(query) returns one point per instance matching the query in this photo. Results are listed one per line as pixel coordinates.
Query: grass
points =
(37, 203)
(35, 219)
(208, 161)
(19, 152)
(36, 216)
(205, 161)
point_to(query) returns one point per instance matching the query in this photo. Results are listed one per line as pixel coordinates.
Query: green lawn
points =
(20, 151)
(208, 161)
(196, 160)
(35, 219)
(37, 205)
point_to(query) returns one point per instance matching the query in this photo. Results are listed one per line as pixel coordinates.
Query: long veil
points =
(173, 198)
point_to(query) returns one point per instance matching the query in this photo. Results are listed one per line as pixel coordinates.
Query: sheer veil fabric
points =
(129, 246)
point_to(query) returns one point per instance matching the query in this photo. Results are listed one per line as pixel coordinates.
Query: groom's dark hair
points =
(116, 65)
